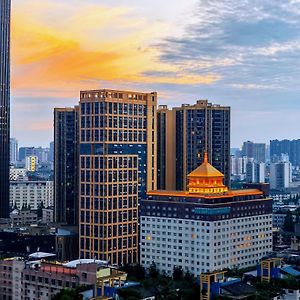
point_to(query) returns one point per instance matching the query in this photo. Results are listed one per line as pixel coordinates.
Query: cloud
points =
(59, 48)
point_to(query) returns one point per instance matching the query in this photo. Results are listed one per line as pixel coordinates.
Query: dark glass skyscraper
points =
(4, 106)
(66, 164)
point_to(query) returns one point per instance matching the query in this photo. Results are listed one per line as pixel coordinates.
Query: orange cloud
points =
(59, 48)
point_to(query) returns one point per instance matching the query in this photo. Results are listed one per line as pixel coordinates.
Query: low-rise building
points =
(48, 215)
(40, 279)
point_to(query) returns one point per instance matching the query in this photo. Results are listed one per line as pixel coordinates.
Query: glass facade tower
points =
(4, 106)
(66, 164)
(117, 168)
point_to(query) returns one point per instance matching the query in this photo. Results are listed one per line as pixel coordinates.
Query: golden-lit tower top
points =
(206, 179)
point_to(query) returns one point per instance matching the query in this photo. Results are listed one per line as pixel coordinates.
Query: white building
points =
(17, 174)
(31, 163)
(206, 228)
(280, 175)
(31, 193)
(255, 172)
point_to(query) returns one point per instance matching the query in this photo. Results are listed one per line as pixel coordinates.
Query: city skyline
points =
(228, 53)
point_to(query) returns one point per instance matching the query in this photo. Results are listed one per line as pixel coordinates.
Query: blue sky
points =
(245, 54)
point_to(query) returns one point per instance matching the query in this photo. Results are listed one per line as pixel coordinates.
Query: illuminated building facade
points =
(184, 133)
(66, 164)
(4, 106)
(117, 167)
(206, 228)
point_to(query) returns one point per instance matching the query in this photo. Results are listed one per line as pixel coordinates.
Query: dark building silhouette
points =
(66, 160)
(4, 106)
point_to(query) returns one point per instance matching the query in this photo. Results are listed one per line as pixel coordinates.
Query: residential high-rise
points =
(255, 172)
(206, 228)
(280, 175)
(117, 167)
(14, 150)
(184, 134)
(255, 150)
(66, 165)
(4, 106)
(290, 147)
(166, 142)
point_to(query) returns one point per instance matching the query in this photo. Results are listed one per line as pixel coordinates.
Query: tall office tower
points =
(196, 128)
(290, 147)
(66, 165)
(117, 167)
(4, 106)
(255, 150)
(166, 167)
(206, 228)
(14, 150)
(255, 172)
(280, 175)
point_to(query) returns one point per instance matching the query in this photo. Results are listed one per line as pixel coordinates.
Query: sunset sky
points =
(242, 53)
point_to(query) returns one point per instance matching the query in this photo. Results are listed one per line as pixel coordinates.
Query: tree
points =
(40, 210)
(153, 272)
(177, 273)
(288, 224)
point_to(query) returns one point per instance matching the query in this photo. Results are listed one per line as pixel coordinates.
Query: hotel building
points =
(117, 168)
(183, 134)
(206, 228)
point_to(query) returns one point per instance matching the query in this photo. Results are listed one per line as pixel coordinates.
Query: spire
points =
(205, 158)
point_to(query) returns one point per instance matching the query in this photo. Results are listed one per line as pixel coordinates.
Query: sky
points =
(241, 53)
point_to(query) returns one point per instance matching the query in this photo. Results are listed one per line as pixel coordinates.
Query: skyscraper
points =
(4, 106)
(185, 134)
(66, 164)
(117, 167)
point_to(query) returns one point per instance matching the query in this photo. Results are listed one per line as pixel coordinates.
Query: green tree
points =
(177, 273)
(153, 272)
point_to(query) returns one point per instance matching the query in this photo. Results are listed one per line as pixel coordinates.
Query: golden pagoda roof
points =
(206, 170)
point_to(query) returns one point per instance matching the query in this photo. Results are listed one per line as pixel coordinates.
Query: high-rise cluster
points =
(144, 180)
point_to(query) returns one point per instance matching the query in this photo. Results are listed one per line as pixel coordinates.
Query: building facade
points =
(206, 228)
(14, 151)
(30, 194)
(5, 6)
(255, 172)
(66, 166)
(185, 134)
(166, 143)
(17, 174)
(280, 175)
(27, 280)
(254, 150)
(117, 167)
(289, 147)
